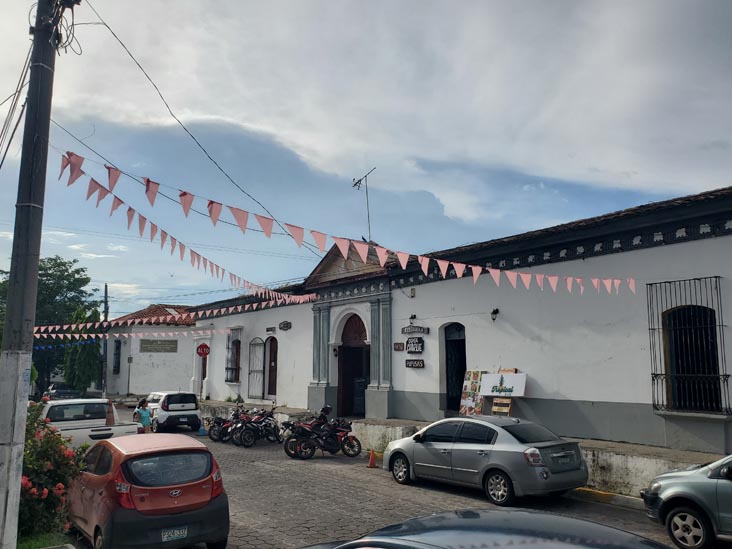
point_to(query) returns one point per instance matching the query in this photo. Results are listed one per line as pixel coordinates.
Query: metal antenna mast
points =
(357, 185)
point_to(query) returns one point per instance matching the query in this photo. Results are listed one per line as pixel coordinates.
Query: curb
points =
(598, 496)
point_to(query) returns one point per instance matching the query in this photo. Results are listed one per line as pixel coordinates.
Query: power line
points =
(180, 123)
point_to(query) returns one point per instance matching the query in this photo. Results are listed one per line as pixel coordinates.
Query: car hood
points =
(683, 473)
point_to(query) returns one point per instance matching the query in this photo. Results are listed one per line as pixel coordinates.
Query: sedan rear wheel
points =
(400, 469)
(689, 528)
(499, 488)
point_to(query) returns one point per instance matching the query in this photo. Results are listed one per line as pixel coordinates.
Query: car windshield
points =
(182, 398)
(168, 469)
(529, 433)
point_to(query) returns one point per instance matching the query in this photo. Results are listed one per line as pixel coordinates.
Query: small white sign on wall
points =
(503, 385)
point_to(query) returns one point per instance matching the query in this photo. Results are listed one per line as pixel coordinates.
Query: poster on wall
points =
(503, 385)
(471, 401)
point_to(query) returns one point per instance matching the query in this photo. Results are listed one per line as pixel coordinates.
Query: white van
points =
(173, 408)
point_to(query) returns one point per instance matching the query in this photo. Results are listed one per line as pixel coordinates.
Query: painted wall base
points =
(319, 395)
(378, 403)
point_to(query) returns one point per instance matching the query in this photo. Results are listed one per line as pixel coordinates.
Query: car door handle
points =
(482, 453)
(444, 452)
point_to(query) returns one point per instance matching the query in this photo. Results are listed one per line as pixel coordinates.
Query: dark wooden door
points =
(272, 371)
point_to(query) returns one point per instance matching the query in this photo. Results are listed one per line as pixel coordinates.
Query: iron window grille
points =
(688, 361)
(117, 357)
(233, 364)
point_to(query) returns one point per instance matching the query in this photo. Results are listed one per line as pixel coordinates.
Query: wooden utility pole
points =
(16, 356)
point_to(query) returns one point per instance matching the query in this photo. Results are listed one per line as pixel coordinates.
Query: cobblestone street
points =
(279, 502)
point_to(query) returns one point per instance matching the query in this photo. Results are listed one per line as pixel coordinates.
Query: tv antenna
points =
(357, 185)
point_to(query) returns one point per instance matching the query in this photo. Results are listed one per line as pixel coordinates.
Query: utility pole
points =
(104, 341)
(357, 185)
(16, 356)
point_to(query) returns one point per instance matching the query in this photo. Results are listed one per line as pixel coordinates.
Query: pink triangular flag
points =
(211, 266)
(113, 174)
(459, 269)
(616, 284)
(495, 275)
(205, 264)
(596, 283)
(153, 231)
(130, 217)
(186, 200)
(477, 270)
(265, 223)
(382, 254)
(64, 163)
(512, 277)
(362, 248)
(102, 193)
(319, 239)
(526, 279)
(343, 244)
(141, 221)
(424, 262)
(540, 281)
(443, 264)
(214, 210)
(116, 203)
(553, 281)
(93, 187)
(43, 329)
(163, 238)
(569, 281)
(631, 284)
(76, 172)
(403, 259)
(173, 243)
(182, 249)
(298, 233)
(581, 284)
(217, 271)
(241, 217)
(608, 283)
(151, 190)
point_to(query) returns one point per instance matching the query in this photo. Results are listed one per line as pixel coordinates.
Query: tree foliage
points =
(82, 361)
(62, 289)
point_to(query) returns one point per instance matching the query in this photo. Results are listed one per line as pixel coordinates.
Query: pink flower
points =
(25, 483)
(67, 527)
(69, 453)
(44, 494)
(46, 399)
(47, 420)
(59, 490)
(33, 492)
(39, 435)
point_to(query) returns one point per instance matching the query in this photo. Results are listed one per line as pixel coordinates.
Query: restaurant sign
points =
(503, 385)
(415, 330)
(415, 363)
(415, 345)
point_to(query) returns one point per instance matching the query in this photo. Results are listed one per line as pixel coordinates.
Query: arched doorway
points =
(271, 368)
(455, 365)
(353, 368)
(256, 368)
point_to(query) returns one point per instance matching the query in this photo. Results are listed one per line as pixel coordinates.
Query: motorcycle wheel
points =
(305, 448)
(274, 436)
(236, 437)
(351, 446)
(290, 446)
(225, 435)
(247, 438)
(214, 433)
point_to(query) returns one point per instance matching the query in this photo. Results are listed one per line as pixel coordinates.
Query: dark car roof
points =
(509, 527)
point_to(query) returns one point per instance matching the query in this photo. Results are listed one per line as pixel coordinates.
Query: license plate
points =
(172, 534)
(183, 419)
(564, 460)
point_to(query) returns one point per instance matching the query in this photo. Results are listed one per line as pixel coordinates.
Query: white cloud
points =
(117, 248)
(89, 255)
(77, 246)
(622, 94)
(124, 289)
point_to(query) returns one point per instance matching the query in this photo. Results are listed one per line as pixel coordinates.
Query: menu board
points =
(471, 401)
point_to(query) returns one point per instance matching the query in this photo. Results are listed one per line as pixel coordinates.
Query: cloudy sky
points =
(483, 119)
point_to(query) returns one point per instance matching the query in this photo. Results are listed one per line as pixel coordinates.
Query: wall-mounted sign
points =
(399, 346)
(415, 330)
(286, 325)
(271, 330)
(203, 350)
(158, 345)
(503, 385)
(415, 363)
(415, 345)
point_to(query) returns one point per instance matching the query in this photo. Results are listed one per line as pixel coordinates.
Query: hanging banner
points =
(503, 385)
(471, 401)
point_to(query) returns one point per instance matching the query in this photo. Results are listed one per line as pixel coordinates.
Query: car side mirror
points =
(726, 472)
(418, 438)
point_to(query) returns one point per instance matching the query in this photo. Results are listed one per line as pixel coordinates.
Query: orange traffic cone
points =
(372, 460)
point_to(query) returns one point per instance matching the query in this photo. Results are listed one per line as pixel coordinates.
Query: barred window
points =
(687, 331)
(117, 356)
(233, 363)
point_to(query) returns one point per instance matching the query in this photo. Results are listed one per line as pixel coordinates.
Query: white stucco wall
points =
(591, 347)
(295, 352)
(149, 371)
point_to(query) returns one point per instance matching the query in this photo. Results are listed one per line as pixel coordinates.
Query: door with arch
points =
(354, 369)
(270, 374)
(455, 365)
(256, 368)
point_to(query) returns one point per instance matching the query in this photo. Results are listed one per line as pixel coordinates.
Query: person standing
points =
(142, 414)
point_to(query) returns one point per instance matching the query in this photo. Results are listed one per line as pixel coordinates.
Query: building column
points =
(378, 393)
(385, 307)
(319, 390)
(375, 347)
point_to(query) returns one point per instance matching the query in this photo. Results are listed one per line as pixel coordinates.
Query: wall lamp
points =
(494, 314)
(412, 318)
(335, 352)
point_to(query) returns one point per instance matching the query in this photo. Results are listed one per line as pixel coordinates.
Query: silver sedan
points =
(506, 457)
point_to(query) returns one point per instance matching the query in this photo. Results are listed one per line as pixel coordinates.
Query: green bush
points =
(49, 464)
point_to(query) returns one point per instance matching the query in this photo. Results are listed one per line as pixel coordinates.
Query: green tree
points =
(62, 289)
(82, 361)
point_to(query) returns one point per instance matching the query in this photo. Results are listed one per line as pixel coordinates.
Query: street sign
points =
(203, 349)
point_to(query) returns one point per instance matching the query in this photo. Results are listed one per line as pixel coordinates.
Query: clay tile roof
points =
(159, 310)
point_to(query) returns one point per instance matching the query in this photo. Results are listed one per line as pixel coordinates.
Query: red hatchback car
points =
(154, 490)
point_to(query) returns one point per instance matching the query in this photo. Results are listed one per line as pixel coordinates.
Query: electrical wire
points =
(10, 141)
(7, 124)
(182, 125)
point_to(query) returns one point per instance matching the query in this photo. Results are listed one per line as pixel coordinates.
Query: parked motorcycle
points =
(263, 425)
(331, 437)
(221, 429)
(292, 431)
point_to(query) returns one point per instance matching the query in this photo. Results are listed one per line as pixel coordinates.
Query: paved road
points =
(278, 502)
